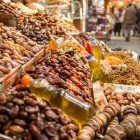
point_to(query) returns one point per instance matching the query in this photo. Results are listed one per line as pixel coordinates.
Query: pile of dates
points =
(33, 27)
(113, 123)
(15, 49)
(36, 26)
(7, 8)
(126, 98)
(10, 34)
(9, 58)
(63, 71)
(129, 75)
(24, 117)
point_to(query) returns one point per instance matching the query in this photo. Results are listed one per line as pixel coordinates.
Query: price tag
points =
(120, 88)
(1, 87)
(99, 97)
(22, 71)
(60, 40)
(126, 88)
(106, 66)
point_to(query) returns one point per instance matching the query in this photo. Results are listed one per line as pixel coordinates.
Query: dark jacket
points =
(130, 16)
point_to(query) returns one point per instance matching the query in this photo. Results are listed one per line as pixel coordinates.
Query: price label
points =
(119, 88)
(99, 97)
(1, 87)
(106, 66)
(60, 40)
(126, 88)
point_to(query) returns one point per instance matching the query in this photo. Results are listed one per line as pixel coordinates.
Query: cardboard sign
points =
(106, 66)
(120, 88)
(99, 97)
(126, 88)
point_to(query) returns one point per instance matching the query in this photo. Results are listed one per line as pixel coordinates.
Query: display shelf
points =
(9, 79)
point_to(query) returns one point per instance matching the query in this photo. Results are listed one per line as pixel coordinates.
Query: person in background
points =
(110, 21)
(129, 21)
(138, 21)
(118, 22)
(135, 28)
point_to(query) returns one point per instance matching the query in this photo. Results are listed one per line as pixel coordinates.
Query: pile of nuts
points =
(123, 99)
(63, 71)
(76, 47)
(113, 123)
(7, 8)
(129, 75)
(23, 117)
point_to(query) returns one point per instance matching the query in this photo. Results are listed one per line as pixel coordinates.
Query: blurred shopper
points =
(110, 24)
(118, 22)
(129, 21)
(138, 21)
(135, 29)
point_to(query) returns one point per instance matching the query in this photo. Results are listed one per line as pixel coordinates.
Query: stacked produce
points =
(23, 8)
(113, 123)
(129, 75)
(128, 127)
(10, 34)
(7, 8)
(37, 26)
(24, 117)
(74, 46)
(34, 27)
(62, 71)
(9, 57)
(97, 122)
(126, 98)
(15, 49)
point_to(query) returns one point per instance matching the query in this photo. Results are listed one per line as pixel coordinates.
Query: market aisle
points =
(119, 42)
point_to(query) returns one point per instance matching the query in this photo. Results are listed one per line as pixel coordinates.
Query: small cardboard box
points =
(7, 19)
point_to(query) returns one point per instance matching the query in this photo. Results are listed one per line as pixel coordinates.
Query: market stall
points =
(96, 21)
(59, 86)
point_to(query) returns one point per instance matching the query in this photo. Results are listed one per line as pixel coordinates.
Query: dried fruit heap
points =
(62, 71)
(36, 26)
(10, 34)
(7, 8)
(15, 49)
(126, 98)
(113, 123)
(23, 117)
(129, 75)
